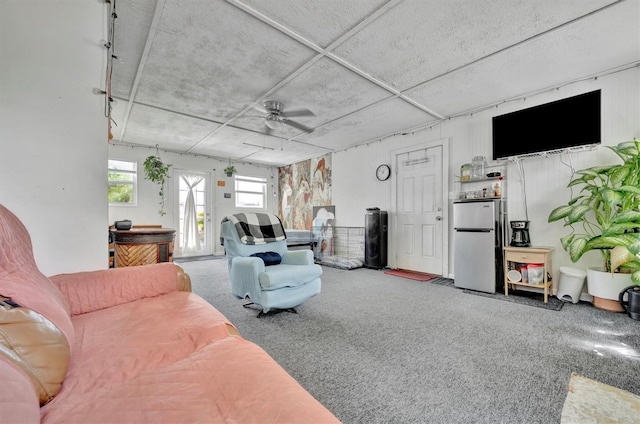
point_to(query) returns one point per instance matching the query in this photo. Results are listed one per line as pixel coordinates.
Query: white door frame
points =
(393, 246)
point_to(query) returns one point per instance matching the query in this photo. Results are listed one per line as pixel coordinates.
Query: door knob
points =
(438, 218)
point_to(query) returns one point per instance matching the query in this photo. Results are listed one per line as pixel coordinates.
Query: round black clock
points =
(383, 172)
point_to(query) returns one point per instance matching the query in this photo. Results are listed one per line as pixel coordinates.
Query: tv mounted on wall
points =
(555, 126)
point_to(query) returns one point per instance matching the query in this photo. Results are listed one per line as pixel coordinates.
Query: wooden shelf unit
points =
(529, 255)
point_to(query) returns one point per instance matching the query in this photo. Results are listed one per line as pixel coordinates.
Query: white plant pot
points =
(605, 285)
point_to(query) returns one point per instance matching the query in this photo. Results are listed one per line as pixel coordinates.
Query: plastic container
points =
(497, 189)
(571, 283)
(535, 273)
(478, 167)
(525, 274)
(514, 276)
(465, 172)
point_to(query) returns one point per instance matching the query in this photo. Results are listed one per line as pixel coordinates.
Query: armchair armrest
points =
(95, 290)
(298, 257)
(247, 267)
(244, 273)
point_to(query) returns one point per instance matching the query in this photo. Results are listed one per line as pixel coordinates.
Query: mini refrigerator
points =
(478, 241)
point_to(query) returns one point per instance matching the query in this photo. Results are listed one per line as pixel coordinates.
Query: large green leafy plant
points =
(158, 172)
(605, 214)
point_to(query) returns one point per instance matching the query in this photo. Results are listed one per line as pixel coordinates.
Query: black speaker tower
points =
(375, 238)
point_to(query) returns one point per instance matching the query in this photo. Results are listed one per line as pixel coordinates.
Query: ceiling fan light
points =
(272, 122)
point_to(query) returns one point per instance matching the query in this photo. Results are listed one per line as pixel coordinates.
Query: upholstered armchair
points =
(281, 279)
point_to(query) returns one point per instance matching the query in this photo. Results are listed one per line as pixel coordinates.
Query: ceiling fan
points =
(275, 116)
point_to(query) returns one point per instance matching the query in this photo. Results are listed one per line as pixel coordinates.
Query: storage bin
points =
(535, 273)
(571, 283)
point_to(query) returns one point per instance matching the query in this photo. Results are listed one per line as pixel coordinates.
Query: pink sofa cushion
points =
(228, 381)
(119, 343)
(21, 280)
(18, 400)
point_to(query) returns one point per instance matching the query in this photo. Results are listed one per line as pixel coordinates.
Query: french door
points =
(193, 216)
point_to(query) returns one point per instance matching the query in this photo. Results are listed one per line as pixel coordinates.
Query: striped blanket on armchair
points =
(257, 228)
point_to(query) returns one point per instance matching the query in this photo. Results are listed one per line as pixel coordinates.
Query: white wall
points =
(546, 178)
(146, 211)
(53, 140)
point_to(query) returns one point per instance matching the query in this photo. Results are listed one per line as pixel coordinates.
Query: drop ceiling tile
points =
(569, 53)
(286, 156)
(379, 120)
(330, 91)
(152, 126)
(130, 36)
(234, 143)
(420, 39)
(224, 151)
(211, 60)
(320, 22)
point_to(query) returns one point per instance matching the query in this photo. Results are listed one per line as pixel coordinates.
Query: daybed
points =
(299, 238)
(128, 345)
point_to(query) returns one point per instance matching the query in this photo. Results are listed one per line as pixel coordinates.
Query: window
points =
(122, 177)
(251, 192)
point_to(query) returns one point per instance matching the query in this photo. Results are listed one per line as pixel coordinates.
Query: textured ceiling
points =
(189, 74)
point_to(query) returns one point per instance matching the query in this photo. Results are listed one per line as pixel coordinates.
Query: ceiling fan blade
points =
(295, 124)
(260, 109)
(297, 112)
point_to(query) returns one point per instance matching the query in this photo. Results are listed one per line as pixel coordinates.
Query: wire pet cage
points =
(340, 247)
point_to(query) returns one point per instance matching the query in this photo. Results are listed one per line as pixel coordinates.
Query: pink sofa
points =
(128, 345)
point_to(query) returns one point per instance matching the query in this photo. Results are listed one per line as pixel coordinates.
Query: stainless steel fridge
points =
(478, 240)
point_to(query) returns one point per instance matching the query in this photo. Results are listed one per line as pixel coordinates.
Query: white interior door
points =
(194, 218)
(420, 210)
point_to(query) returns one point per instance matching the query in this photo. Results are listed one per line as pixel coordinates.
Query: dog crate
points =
(340, 247)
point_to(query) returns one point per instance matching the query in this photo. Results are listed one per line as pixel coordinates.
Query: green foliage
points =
(120, 193)
(157, 172)
(606, 211)
(230, 170)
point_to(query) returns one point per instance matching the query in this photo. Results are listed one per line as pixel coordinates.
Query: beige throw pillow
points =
(35, 345)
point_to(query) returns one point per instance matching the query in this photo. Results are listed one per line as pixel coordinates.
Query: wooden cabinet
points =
(515, 256)
(142, 246)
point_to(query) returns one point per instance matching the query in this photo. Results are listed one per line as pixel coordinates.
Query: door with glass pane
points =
(194, 218)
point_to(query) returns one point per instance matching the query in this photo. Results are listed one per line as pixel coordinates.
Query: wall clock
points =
(383, 172)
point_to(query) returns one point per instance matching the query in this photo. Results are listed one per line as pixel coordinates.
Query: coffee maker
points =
(520, 234)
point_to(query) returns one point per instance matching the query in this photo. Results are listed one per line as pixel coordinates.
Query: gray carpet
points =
(524, 298)
(374, 348)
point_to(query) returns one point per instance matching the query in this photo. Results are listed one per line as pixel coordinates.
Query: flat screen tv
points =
(566, 123)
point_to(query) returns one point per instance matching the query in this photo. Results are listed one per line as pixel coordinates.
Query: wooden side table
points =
(142, 246)
(529, 255)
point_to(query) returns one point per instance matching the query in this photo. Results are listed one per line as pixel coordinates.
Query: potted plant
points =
(605, 216)
(157, 172)
(230, 170)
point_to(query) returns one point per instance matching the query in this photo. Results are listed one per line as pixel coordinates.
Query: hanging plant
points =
(230, 170)
(157, 172)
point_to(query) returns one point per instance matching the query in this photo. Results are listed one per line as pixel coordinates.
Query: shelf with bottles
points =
(493, 187)
(492, 173)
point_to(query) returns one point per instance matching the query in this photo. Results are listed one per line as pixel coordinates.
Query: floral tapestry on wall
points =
(302, 186)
